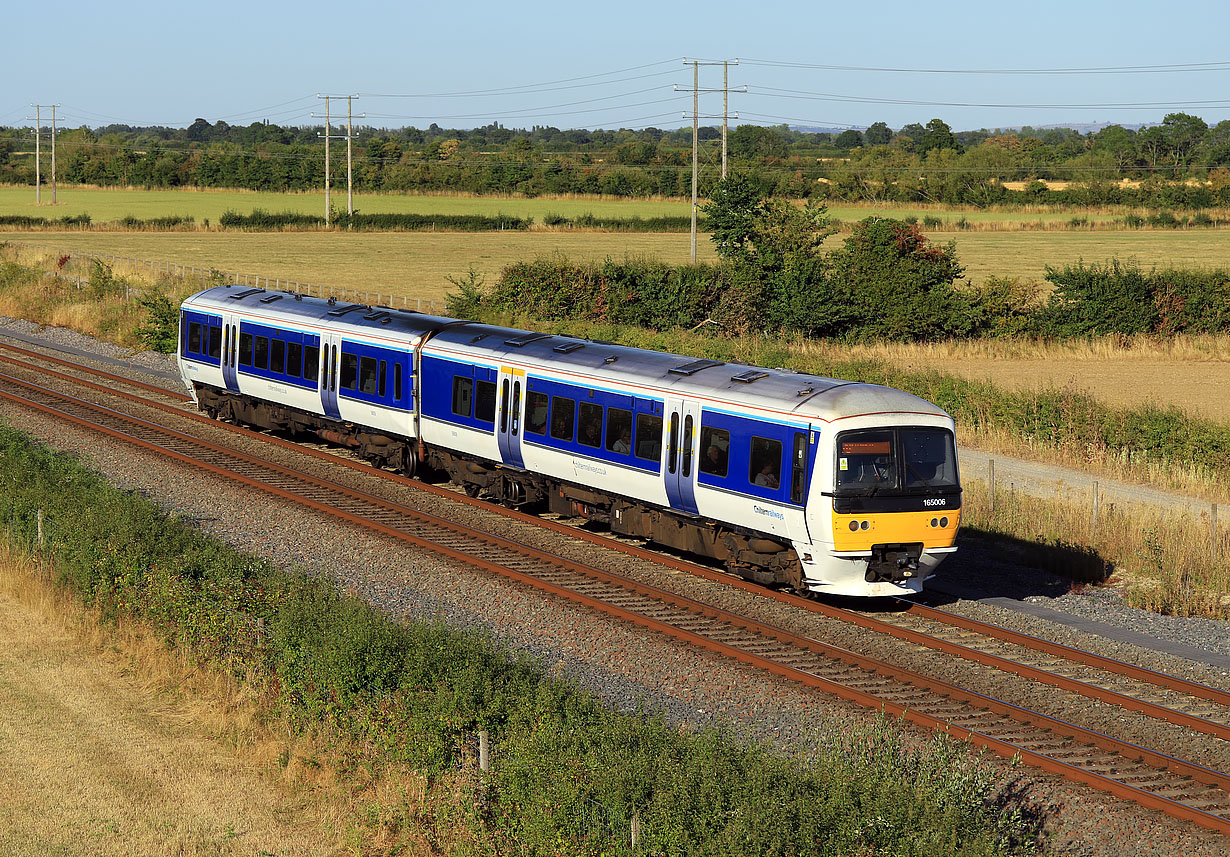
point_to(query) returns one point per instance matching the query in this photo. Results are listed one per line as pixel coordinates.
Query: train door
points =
(508, 425)
(230, 351)
(681, 429)
(330, 354)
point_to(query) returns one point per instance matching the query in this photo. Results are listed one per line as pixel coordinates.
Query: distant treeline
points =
(1179, 163)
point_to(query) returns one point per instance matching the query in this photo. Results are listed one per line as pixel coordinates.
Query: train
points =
(786, 478)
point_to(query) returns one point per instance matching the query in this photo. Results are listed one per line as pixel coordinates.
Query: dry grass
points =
(1161, 558)
(113, 744)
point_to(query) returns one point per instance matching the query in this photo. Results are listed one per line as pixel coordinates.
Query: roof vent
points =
(695, 366)
(525, 339)
(568, 347)
(343, 310)
(272, 298)
(238, 296)
(750, 375)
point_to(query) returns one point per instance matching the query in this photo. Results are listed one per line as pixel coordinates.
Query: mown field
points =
(109, 204)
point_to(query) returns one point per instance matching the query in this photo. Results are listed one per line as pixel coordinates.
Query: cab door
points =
(511, 393)
(681, 430)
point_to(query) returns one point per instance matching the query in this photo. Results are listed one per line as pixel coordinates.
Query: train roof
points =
(738, 383)
(301, 309)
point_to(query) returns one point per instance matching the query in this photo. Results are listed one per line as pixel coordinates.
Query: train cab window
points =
(929, 459)
(367, 374)
(294, 359)
(714, 451)
(311, 362)
(194, 337)
(484, 401)
(463, 396)
(798, 474)
(245, 348)
(563, 417)
(766, 463)
(591, 425)
(261, 353)
(350, 371)
(649, 437)
(865, 461)
(619, 431)
(536, 413)
(277, 356)
(215, 342)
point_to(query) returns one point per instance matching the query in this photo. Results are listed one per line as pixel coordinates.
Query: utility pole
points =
(349, 173)
(38, 153)
(696, 117)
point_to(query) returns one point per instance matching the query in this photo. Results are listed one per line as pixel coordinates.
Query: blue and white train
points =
(789, 479)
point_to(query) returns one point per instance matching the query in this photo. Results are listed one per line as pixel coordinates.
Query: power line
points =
(1222, 65)
(512, 89)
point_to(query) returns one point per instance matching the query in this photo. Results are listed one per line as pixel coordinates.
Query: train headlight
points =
(864, 525)
(854, 526)
(944, 521)
(935, 522)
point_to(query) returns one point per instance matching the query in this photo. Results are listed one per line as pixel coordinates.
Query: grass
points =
(116, 745)
(1160, 558)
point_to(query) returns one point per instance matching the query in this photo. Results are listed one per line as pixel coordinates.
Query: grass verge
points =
(395, 703)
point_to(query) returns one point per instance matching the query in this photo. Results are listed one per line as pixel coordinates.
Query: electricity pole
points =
(696, 117)
(38, 155)
(349, 173)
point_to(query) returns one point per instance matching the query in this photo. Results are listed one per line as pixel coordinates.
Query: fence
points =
(595, 822)
(191, 272)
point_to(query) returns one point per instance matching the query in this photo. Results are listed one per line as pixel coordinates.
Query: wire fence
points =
(186, 273)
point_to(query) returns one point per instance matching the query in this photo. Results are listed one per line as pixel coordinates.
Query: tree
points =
(878, 134)
(753, 141)
(848, 139)
(938, 136)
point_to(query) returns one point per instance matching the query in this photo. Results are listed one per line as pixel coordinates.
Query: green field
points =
(417, 264)
(106, 205)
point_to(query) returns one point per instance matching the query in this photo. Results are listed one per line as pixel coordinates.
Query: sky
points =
(616, 65)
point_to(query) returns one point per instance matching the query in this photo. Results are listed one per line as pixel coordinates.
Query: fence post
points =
(1213, 521)
(484, 756)
(39, 518)
(991, 482)
(636, 831)
(1096, 499)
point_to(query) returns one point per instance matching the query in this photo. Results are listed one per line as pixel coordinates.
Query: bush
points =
(160, 332)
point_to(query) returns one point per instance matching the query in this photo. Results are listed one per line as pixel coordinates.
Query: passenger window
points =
(261, 359)
(367, 375)
(714, 451)
(766, 463)
(245, 348)
(563, 417)
(277, 356)
(294, 359)
(536, 413)
(591, 425)
(311, 362)
(215, 342)
(484, 401)
(649, 437)
(798, 476)
(350, 371)
(194, 337)
(619, 431)
(463, 396)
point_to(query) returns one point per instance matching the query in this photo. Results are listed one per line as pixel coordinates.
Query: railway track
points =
(1149, 777)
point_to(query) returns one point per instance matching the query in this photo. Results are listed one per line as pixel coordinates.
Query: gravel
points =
(632, 669)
